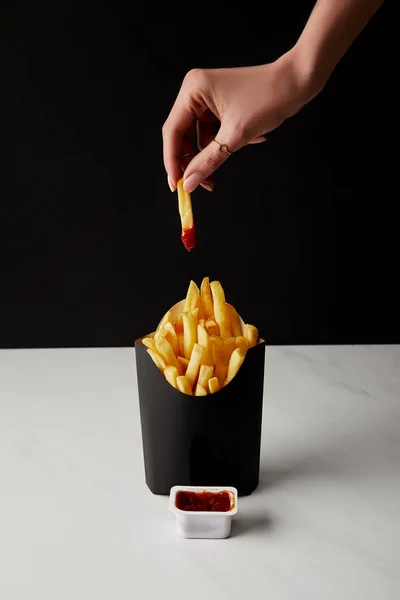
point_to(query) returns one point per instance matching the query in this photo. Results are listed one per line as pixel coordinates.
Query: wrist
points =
(310, 70)
(296, 81)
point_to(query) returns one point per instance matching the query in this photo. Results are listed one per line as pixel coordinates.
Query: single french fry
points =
(221, 371)
(184, 361)
(204, 339)
(205, 374)
(220, 359)
(167, 331)
(251, 335)
(179, 324)
(181, 344)
(236, 325)
(206, 298)
(220, 309)
(149, 343)
(167, 318)
(166, 352)
(241, 343)
(160, 332)
(218, 349)
(171, 374)
(189, 333)
(200, 307)
(212, 327)
(191, 297)
(202, 322)
(213, 385)
(208, 356)
(193, 300)
(202, 334)
(196, 313)
(188, 236)
(193, 367)
(159, 362)
(172, 337)
(200, 390)
(229, 346)
(235, 363)
(184, 385)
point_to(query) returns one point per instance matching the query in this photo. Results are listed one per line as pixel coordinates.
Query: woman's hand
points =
(239, 106)
(235, 106)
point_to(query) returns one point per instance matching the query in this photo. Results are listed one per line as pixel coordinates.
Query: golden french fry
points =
(236, 326)
(235, 363)
(204, 339)
(202, 335)
(221, 371)
(206, 298)
(251, 335)
(193, 300)
(179, 324)
(149, 343)
(167, 331)
(208, 356)
(220, 359)
(188, 236)
(166, 352)
(229, 346)
(189, 333)
(160, 332)
(181, 344)
(213, 385)
(167, 318)
(220, 309)
(202, 322)
(205, 374)
(184, 361)
(172, 337)
(218, 349)
(184, 385)
(241, 343)
(196, 313)
(157, 359)
(200, 390)
(171, 374)
(212, 327)
(193, 367)
(191, 297)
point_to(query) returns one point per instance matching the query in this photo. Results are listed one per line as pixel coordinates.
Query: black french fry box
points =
(201, 440)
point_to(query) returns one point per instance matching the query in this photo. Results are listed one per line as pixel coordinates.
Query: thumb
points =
(228, 140)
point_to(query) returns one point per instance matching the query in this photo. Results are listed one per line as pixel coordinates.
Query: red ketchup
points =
(203, 501)
(188, 238)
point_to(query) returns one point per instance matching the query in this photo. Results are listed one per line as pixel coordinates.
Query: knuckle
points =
(195, 78)
(165, 129)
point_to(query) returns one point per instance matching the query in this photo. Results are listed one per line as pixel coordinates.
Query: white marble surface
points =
(78, 523)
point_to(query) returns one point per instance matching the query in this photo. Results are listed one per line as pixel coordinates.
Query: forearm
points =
(331, 29)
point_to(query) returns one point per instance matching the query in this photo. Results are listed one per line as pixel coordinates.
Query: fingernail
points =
(192, 182)
(171, 185)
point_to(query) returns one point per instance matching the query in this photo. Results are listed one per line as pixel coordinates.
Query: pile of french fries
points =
(203, 349)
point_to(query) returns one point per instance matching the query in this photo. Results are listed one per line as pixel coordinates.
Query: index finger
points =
(175, 143)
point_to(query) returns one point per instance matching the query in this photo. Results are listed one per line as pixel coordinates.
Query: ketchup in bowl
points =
(203, 501)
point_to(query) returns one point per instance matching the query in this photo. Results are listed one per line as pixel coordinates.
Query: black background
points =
(302, 230)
